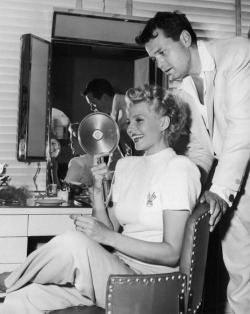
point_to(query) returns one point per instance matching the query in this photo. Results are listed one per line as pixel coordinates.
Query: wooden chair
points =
(170, 293)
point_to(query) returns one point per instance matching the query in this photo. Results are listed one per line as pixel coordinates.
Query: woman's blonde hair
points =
(164, 103)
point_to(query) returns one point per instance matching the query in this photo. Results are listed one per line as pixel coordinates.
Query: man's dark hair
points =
(98, 87)
(171, 23)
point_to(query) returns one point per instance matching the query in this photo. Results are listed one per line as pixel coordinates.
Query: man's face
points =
(98, 104)
(172, 57)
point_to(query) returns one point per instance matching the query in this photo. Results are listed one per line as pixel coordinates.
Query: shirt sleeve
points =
(74, 172)
(234, 157)
(228, 195)
(182, 185)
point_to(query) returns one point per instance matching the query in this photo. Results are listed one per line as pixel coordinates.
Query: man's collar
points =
(207, 62)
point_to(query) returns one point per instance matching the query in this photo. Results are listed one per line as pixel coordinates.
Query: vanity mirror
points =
(33, 99)
(84, 46)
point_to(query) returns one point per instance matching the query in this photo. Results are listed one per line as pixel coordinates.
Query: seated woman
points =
(79, 167)
(153, 195)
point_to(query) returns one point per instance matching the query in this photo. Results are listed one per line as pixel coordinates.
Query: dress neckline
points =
(165, 153)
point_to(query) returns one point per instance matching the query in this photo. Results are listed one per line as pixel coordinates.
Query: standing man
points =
(216, 84)
(101, 97)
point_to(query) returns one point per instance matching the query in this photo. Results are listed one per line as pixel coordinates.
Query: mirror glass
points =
(75, 64)
(33, 99)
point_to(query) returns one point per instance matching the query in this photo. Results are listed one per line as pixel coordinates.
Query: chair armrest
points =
(146, 294)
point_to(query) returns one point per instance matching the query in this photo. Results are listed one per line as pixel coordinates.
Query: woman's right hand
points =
(99, 171)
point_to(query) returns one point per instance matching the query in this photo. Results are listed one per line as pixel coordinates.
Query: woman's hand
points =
(93, 228)
(99, 171)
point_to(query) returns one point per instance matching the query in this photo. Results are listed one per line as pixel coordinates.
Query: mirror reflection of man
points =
(101, 96)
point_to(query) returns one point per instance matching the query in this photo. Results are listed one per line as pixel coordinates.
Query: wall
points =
(17, 18)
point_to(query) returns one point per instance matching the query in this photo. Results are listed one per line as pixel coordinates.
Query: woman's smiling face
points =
(145, 128)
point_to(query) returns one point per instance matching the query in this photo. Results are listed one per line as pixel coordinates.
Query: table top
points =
(39, 210)
(74, 206)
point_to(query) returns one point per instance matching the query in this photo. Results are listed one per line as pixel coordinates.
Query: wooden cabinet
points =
(13, 250)
(18, 224)
(13, 225)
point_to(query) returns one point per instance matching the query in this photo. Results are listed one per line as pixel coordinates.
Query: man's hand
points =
(218, 207)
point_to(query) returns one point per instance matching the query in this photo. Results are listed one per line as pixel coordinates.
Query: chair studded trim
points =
(194, 255)
(146, 294)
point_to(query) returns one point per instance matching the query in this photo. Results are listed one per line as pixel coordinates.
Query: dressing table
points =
(19, 224)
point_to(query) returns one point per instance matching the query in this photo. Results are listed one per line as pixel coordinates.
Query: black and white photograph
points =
(125, 156)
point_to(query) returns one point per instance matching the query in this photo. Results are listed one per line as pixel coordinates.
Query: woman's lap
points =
(71, 258)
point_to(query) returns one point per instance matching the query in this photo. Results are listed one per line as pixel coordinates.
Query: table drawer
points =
(13, 250)
(46, 225)
(8, 267)
(13, 225)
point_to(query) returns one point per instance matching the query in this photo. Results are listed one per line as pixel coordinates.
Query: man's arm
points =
(235, 153)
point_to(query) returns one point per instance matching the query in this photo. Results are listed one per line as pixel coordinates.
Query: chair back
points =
(194, 255)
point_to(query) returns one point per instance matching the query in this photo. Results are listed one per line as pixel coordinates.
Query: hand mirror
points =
(99, 133)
